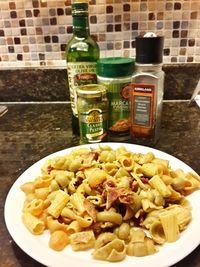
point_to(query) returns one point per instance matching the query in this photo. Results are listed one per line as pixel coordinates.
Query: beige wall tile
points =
(47, 28)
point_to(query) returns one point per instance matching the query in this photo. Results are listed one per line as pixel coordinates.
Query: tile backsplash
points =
(33, 33)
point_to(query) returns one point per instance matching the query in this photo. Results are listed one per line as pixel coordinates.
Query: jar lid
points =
(149, 49)
(113, 67)
(91, 90)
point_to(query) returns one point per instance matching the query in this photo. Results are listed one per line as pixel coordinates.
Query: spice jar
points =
(147, 89)
(92, 107)
(115, 73)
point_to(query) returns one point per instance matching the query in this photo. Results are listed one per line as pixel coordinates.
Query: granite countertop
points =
(28, 132)
(51, 84)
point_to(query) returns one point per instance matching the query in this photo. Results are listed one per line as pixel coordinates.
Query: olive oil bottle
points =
(82, 53)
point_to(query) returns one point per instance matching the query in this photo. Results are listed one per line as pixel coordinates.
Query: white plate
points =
(37, 246)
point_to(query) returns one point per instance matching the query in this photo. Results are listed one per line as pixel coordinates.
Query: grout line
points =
(68, 102)
(176, 100)
(35, 102)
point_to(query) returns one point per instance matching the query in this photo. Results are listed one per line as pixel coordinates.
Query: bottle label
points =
(142, 108)
(80, 73)
(93, 125)
(119, 108)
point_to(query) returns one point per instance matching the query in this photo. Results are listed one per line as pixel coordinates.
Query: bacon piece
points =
(112, 195)
(126, 199)
(49, 169)
(88, 158)
(90, 208)
(110, 192)
(125, 196)
(96, 227)
(144, 180)
(109, 183)
(99, 188)
(95, 154)
(134, 186)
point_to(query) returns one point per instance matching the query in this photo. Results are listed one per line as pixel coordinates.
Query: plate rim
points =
(69, 260)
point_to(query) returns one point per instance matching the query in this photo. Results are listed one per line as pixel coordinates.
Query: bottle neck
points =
(81, 25)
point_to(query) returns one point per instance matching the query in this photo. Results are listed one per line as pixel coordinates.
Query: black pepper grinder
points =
(146, 94)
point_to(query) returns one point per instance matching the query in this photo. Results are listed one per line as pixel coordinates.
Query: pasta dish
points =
(115, 202)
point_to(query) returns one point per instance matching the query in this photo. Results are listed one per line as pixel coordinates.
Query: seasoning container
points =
(92, 108)
(115, 73)
(147, 89)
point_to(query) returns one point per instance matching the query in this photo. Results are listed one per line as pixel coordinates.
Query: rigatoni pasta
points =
(170, 226)
(116, 202)
(34, 225)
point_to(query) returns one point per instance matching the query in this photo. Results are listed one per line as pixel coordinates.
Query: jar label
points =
(142, 109)
(119, 109)
(80, 73)
(93, 125)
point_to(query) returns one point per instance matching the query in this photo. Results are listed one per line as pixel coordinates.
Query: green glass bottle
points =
(82, 53)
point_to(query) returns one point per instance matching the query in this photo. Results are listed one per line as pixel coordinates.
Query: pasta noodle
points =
(157, 232)
(169, 222)
(58, 240)
(34, 225)
(58, 204)
(82, 240)
(104, 238)
(157, 182)
(73, 227)
(77, 202)
(124, 231)
(113, 250)
(35, 207)
(54, 225)
(109, 216)
(140, 245)
(116, 202)
(28, 188)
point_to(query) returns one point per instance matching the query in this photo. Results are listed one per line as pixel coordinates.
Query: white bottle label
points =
(80, 73)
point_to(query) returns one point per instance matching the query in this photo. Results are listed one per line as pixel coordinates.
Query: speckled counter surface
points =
(30, 132)
(51, 84)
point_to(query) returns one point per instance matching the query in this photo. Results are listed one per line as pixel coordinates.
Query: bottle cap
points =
(113, 67)
(91, 90)
(79, 7)
(149, 49)
(79, 13)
